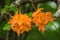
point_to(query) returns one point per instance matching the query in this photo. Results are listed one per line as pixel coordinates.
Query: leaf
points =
(34, 34)
(6, 6)
(52, 4)
(30, 14)
(7, 2)
(15, 9)
(50, 24)
(2, 25)
(40, 5)
(25, 8)
(5, 9)
(7, 27)
(2, 32)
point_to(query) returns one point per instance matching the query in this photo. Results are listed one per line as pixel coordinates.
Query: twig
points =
(56, 28)
(7, 35)
(33, 5)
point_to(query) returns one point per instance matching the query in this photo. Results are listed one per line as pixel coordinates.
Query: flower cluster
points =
(42, 18)
(21, 22)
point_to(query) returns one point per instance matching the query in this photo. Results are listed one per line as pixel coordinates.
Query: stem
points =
(20, 7)
(23, 36)
(7, 35)
(18, 38)
(5, 18)
(56, 28)
(33, 5)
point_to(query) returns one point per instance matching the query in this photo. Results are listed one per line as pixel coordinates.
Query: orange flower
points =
(41, 28)
(20, 23)
(41, 19)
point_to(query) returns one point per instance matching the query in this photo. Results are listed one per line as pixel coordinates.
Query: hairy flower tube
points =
(42, 18)
(20, 23)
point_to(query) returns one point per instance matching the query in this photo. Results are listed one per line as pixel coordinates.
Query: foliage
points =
(7, 2)
(7, 27)
(6, 8)
(48, 6)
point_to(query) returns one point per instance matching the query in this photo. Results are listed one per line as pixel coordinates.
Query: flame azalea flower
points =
(41, 19)
(20, 23)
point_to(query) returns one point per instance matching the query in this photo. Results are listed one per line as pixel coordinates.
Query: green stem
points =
(23, 36)
(33, 5)
(56, 28)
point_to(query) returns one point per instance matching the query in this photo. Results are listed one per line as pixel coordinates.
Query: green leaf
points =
(25, 8)
(34, 34)
(7, 2)
(50, 24)
(30, 14)
(15, 9)
(6, 6)
(5, 9)
(7, 27)
(40, 5)
(2, 32)
(52, 4)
